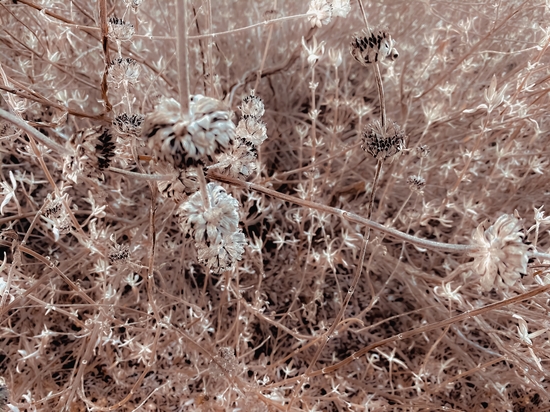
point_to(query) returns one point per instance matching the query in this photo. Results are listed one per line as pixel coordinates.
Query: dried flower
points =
(214, 227)
(119, 30)
(93, 150)
(252, 106)
(373, 47)
(128, 125)
(314, 52)
(185, 140)
(209, 223)
(240, 162)
(123, 70)
(56, 214)
(501, 252)
(119, 254)
(252, 130)
(382, 143)
(416, 183)
(320, 12)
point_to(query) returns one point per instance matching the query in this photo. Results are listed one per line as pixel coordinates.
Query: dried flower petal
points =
(501, 252)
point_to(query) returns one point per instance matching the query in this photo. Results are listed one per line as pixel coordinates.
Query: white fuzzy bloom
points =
(252, 106)
(501, 252)
(222, 255)
(320, 12)
(252, 130)
(188, 139)
(219, 241)
(340, 8)
(212, 222)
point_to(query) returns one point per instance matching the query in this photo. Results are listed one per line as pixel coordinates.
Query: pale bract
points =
(502, 255)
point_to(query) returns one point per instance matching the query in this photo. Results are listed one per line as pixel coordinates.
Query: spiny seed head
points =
(383, 142)
(368, 48)
(416, 183)
(119, 254)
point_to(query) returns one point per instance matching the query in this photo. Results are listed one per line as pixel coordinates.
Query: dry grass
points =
(104, 304)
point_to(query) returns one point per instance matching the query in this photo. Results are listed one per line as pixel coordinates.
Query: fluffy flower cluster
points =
(214, 227)
(501, 252)
(189, 139)
(322, 11)
(251, 132)
(368, 48)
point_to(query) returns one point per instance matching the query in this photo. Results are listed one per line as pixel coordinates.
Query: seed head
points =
(383, 142)
(189, 139)
(119, 30)
(252, 106)
(416, 183)
(128, 125)
(214, 227)
(369, 48)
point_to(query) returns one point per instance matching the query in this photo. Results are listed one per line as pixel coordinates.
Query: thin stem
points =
(350, 217)
(105, 44)
(202, 185)
(161, 178)
(46, 141)
(377, 74)
(183, 55)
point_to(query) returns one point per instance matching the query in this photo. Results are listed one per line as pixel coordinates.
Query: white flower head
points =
(320, 12)
(252, 106)
(189, 139)
(340, 8)
(501, 252)
(214, 227)
(208, 224)
(314, 52)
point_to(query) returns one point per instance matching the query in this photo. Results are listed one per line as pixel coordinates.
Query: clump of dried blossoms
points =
(214, 227)
(92, 152)
(383, 142)
(369, 48)
(503, 255)
(185, 139)
(251, 132)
